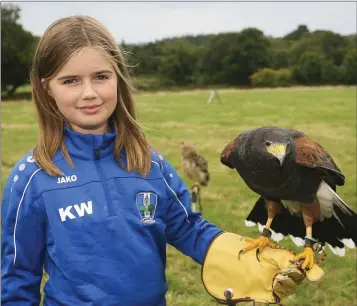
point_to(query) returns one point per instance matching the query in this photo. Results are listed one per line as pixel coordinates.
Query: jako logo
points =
(80, 210)
(67, 179)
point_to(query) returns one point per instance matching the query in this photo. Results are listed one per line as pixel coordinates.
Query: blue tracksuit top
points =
(99, 231)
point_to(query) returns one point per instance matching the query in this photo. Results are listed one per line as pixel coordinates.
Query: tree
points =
(298, 33)
(310, 67)
(330, 74)
(280, 59)
(178, 62)
(210, 64)
(350, 67)
(268, 77)
(17, 47)
(352, 41)
(331, 45)
(231, 58)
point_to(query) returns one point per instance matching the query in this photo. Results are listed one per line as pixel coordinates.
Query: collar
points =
(89, 146)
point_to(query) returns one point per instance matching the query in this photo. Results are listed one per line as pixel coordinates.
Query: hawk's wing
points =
(195, 167)
(201, 163)
(312, 155)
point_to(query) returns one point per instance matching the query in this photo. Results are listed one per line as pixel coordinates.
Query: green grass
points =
(327, 114)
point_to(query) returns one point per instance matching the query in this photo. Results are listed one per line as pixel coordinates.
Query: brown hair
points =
(61, 40)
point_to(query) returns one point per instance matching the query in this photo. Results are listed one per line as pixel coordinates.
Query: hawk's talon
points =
(257, 254)
(308, 258)
(259, 243)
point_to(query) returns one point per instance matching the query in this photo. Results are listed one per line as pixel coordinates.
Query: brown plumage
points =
(193, 164)
(312, 155)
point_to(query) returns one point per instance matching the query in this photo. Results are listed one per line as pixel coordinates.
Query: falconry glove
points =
(231, 280)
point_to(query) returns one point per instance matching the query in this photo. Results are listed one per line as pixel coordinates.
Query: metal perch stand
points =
(196, 197)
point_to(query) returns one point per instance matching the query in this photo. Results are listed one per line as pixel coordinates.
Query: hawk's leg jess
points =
(263, 241)
(309, 214)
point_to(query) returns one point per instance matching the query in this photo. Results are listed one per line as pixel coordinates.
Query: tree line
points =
(247, 58)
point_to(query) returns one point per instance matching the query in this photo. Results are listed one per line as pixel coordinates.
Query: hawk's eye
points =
(267, 143)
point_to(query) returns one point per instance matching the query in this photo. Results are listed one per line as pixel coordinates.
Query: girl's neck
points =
(105, 128)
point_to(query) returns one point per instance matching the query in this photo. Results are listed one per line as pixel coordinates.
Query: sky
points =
(147, 21)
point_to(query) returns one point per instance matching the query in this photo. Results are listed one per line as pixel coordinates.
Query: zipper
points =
(103, 181)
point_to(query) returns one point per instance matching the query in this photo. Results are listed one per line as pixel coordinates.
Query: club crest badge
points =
(146, 203)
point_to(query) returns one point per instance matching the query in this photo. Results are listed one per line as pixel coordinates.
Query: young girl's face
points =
(85, 91)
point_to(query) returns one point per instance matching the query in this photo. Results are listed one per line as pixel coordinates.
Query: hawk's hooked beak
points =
(278, 150)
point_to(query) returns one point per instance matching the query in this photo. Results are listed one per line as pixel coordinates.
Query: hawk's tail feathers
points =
(347, 218)
(335, 232)
(339, 202)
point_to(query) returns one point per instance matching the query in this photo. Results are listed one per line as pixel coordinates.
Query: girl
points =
(93, 205)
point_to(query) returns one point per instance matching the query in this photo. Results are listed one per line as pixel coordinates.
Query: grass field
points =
(327, 114)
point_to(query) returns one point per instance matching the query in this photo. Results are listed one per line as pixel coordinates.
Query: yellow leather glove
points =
(231, 280)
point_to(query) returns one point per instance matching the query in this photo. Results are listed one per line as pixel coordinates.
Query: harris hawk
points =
(296, 179)
(195, 167)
